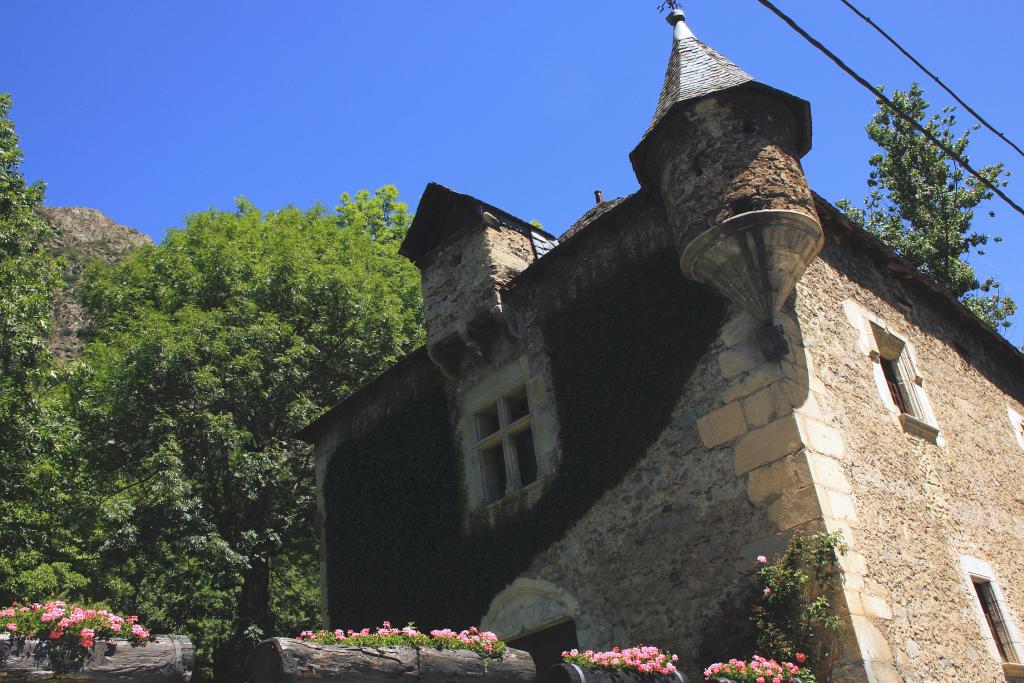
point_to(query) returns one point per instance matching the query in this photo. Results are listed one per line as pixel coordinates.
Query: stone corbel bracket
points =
(476, 337)
(755, 258)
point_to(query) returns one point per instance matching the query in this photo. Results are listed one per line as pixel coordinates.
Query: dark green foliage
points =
(393, 499)
(33, 552)
(621, 355)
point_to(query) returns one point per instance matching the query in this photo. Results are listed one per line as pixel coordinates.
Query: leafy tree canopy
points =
(28, 276)
(922, 204)
(207, 353)
(28, 462)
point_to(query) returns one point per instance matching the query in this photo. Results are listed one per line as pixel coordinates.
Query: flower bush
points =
(759, 670)
(70, 630)
(70, 624)
(795, 612)
(643, 658)
(481, 642)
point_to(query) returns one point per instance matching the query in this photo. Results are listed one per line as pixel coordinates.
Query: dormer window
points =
(505, 448)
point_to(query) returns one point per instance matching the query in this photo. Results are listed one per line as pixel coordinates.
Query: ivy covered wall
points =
(392, 507)
(621, 350)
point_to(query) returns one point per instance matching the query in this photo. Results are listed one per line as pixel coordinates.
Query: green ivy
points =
(621, 353)
(393, 503)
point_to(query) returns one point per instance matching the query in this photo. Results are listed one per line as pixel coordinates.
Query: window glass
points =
(504, 445)
(487, 422)
(518, 406)
(495, 481)
(994, 617)
(525, 457)
(890, 371)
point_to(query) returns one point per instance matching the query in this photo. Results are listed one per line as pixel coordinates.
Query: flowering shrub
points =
(481, 642)
(69, 629)
(797, 591)
(644, 658)
(760, 670)
(70, 624)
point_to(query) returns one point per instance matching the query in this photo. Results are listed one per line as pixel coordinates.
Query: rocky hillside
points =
(82, 235)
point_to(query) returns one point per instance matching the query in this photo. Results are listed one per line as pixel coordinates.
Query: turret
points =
(723, 153)
(466, 251)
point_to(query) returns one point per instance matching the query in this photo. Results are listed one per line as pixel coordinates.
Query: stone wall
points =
(461, 278)
(916, 507)
(664, 555)
(759, 449)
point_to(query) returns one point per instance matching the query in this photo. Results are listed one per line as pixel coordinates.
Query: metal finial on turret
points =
(677, 19)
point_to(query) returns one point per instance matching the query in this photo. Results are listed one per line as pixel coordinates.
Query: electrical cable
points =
(892, 106)
(931, 75)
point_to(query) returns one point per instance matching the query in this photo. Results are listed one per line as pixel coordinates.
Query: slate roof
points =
(695, 70)
(591, 215)
(442, 212)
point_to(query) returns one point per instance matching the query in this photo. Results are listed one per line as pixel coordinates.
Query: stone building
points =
(603, 430)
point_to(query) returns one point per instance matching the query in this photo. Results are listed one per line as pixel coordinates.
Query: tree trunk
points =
(165, 660)
(284, 660)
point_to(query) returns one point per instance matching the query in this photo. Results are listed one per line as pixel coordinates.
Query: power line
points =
(892, 105)
(931, 75)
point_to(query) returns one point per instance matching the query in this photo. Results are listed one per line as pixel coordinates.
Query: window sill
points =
(515, 495)
(1013, 671)
(919, 428)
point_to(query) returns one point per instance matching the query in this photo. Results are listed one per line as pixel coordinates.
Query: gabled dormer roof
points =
(443, 213)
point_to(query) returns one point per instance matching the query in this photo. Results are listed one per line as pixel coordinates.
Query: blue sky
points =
(149, 111)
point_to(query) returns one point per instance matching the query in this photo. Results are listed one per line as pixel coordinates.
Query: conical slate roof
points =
(694, 70)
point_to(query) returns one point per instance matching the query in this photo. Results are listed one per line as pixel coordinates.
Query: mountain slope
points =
(82, 235)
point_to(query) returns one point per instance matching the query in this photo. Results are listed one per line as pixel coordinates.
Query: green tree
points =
(922, 203)
(28, 277)
(31, 558)
(209, 352)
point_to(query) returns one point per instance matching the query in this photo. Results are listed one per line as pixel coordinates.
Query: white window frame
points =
(889, 347)
(980, 571)
(508, 429)
(476, 394)
(879, 341)
(1017, 425)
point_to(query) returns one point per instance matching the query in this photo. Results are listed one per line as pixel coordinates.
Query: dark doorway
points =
(546, 646)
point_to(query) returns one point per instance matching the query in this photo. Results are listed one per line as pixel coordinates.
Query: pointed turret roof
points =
(696, 70)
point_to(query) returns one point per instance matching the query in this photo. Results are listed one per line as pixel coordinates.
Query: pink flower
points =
(12, 627)
(767, 591)
(801, 657)
(761, 559)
